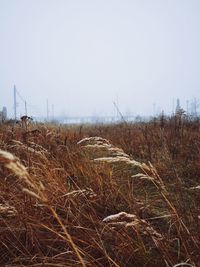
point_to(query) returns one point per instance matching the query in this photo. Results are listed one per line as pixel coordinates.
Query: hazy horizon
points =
(84, 55)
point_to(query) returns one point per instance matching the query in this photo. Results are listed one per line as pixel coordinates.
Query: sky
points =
(83, 55)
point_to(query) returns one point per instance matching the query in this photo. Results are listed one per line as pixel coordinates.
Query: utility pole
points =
(173, 106)
(119, 112)
(187, 107)
(25, 108)
(154, 109)
(15, 103)
(178, 106)
(52, 111)
(47, 110)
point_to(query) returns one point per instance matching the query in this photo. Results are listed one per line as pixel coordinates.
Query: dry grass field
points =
(101, 195)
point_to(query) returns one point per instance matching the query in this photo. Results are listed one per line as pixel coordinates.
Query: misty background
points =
(84, 55)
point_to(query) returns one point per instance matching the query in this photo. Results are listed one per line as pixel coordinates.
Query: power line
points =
(119, 112)
(17, 93)
(23, 100)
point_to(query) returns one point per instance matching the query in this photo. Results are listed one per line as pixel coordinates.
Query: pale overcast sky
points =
(84, 54)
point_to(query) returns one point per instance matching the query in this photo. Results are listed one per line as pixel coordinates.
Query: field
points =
(101, 195)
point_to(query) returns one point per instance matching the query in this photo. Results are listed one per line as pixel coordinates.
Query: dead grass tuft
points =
(112, 195)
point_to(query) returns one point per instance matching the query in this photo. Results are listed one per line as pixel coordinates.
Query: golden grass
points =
(112, 195)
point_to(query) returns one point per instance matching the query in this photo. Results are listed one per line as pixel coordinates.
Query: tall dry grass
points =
(127, 198)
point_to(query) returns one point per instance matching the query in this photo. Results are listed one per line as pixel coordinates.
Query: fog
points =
(84, 55)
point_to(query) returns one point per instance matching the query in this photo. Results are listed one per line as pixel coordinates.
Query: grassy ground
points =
(56, 195)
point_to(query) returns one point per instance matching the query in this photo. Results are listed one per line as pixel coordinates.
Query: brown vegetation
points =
(127, 198)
